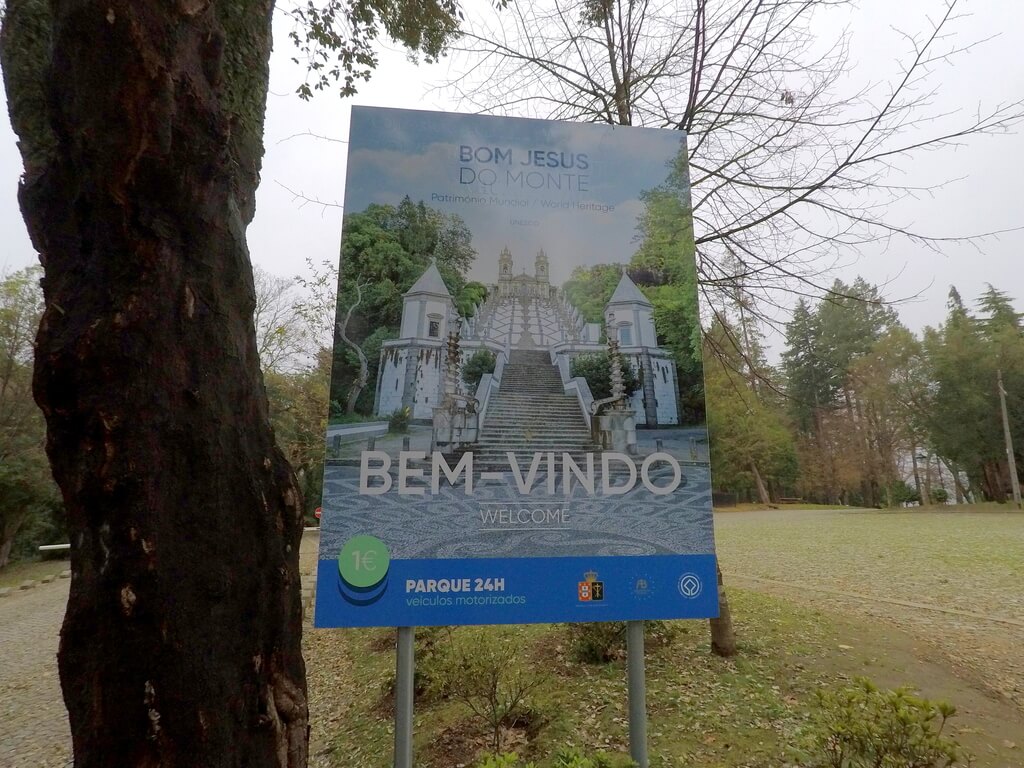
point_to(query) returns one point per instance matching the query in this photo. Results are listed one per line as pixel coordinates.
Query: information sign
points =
(517, 334)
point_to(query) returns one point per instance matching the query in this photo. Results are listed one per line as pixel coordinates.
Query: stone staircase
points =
(531, 413)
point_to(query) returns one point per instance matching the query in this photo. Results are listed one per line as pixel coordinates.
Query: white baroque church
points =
(534, 332)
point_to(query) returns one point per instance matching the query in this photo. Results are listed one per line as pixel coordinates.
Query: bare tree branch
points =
(789, 166)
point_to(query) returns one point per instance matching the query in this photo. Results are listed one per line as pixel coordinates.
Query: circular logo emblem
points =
(363, 562)
(689, 585)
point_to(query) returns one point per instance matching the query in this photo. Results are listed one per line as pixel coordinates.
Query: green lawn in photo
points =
(751, 710)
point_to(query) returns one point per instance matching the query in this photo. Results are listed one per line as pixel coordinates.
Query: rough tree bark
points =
(762, 489)
(723, 637)
(140, 127)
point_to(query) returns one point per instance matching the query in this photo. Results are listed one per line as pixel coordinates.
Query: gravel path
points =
(954, 579)
(33, 722)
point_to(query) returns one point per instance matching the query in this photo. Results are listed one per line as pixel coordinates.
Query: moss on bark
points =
(25, 59)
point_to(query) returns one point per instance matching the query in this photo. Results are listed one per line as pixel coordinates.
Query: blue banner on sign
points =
(529, 590)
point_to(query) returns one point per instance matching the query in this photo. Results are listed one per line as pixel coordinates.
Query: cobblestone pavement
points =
(33, 722)
(34, 729)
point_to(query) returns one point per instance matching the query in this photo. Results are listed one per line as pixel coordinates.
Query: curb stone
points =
(32, 583)
(308, 601)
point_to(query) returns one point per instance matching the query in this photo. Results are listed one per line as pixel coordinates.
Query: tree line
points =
(29, 501)
(861, 410)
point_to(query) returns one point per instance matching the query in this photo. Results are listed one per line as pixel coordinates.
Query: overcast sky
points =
(989, 195)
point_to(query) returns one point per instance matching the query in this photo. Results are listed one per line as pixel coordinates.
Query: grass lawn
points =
(704, 711)
(972, 561)
(353, 418)
(15, 573)
(949, 576)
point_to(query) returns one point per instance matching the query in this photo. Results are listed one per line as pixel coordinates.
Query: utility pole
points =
(1010, 459)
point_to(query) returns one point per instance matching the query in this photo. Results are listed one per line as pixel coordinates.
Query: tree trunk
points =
(938, 474)
(723, 638)
(140, 126)
(961, 492)
(10, 524)
(991, 483)
(762, 491)
(357, 386)
(863, 458)
(917, 475)
(825, 449)
(6, 544)
(364, 366)
(926, 500)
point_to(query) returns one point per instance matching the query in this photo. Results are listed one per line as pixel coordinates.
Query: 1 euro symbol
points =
(365, 561)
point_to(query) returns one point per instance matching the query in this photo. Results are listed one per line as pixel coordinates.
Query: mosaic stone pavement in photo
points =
(449, 525)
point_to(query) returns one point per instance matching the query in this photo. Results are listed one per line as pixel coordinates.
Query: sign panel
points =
(517, 396)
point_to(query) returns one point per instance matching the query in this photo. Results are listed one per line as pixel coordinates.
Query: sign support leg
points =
(404, 672)
(637, 689)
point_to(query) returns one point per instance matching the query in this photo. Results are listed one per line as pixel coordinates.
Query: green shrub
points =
(45, 523)
(596, 643)
(479, 363)
(599, 643)
(505, 760)
(566, 757)
(940, 495)
(398, 422)
(430, 649)
(573, 758)
(483, 668)
(337, 415)
(596, 369)
(432, 646)
(862, 726)
(902, 492)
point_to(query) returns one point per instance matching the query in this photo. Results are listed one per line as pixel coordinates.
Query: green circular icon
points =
(363, 561)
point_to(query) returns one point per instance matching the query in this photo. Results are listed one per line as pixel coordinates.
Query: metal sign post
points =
(636, 685)
(404, 673)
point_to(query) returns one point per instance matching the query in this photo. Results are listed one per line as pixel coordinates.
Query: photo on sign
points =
(516, 371)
